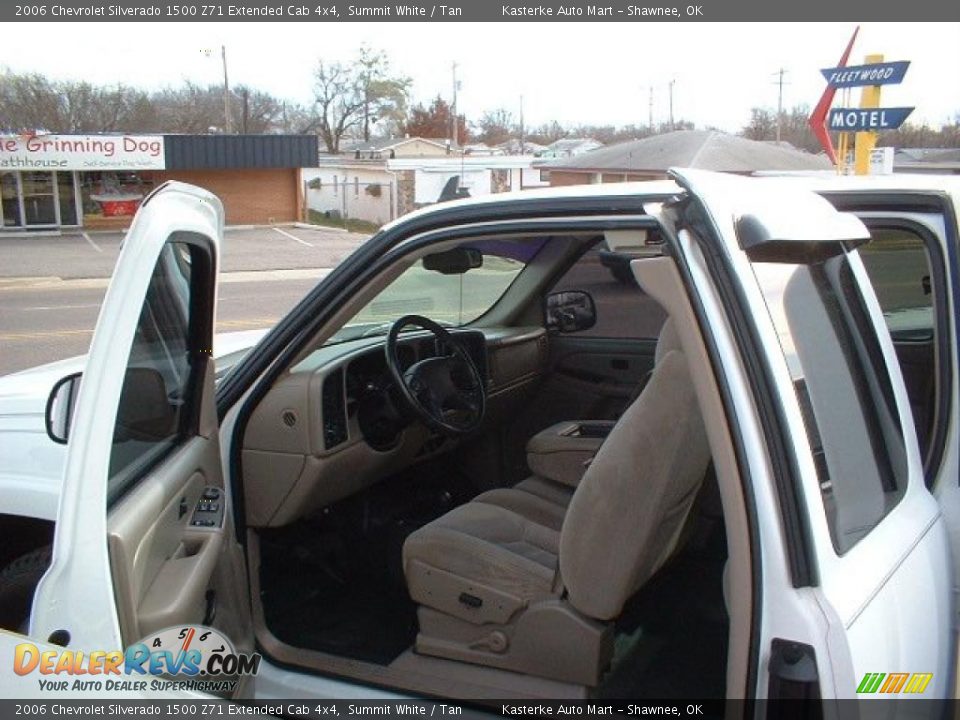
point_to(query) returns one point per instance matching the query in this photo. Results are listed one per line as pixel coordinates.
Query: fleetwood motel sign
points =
(860, 119)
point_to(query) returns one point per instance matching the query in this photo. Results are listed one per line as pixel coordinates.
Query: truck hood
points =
(31, 464)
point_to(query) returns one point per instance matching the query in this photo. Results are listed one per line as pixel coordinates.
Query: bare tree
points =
(794, 128)
(356, 95)
(190, 108)
(496, 126)
(434, 121)
(31, 102)
(762, 125)
(256, 112)
(910, 135)
(548, 133)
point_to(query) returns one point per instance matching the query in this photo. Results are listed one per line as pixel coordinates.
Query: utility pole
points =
(366, 108)
(522, 138)
(670, 85)
(650, 110)
(453, 110)
(779, 81)
(227, 121)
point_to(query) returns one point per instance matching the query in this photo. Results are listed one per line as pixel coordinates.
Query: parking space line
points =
(92, 243)
(252, 323)
(61, 307)
(293, 237)
(10, 337)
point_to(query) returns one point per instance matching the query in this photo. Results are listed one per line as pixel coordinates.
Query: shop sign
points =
(884, 73)
(82, 152)
(860, 119)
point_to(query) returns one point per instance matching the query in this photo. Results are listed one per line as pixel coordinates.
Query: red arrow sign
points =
(818, 118)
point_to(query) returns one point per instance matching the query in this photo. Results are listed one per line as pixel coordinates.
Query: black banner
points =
(333, 11)
(448, 710)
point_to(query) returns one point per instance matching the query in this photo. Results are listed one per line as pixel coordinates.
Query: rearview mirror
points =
(456, 261)
(145, 411)
(570, 311)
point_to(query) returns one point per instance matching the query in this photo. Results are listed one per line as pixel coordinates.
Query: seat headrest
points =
(668, 340)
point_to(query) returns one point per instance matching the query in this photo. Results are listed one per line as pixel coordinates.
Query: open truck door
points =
(855, 574)
(145, 548)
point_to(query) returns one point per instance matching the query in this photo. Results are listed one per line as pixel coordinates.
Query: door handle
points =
(794, 676)
(183, 507)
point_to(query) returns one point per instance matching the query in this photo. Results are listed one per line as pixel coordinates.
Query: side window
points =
(897, 259)
(154, 414)
(844, 390)
(623, 310)
(899, 269)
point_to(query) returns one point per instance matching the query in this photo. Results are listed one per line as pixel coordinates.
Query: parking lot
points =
(51, 287)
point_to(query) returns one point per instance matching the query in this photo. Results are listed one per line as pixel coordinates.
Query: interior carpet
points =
(352, 614)
(672, 637)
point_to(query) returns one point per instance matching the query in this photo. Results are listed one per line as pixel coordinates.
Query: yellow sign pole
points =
(867, 141)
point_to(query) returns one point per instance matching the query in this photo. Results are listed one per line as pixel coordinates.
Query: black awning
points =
(233, 152)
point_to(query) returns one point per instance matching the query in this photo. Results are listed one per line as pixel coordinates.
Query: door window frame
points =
(199, 349)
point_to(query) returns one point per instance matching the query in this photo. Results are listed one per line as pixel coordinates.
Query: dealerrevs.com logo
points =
(894, 683)
(188, 657)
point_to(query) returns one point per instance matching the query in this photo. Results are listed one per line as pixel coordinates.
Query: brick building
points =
(97, 181)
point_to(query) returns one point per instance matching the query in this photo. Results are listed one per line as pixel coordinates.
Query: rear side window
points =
(899, 268)
(899, 262)
(844, 390)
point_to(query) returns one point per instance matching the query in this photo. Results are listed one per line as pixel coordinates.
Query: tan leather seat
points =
(515, 590)
(545, 500)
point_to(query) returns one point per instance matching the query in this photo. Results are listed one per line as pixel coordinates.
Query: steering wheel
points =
(445, 392)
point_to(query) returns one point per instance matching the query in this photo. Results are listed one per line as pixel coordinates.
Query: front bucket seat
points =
(496, 588)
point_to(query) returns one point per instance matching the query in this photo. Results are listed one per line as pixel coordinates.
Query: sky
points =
(575, 73)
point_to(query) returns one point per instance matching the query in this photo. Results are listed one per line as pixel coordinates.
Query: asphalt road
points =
(51, 287)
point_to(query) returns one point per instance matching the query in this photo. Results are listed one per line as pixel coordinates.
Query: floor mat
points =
(351, 616)
(672, 637)
(334, 582)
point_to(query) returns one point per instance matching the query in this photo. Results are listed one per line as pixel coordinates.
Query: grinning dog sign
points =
(82, 152)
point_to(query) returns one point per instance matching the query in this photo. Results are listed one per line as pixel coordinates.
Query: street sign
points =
(861, 119)
(885, 73)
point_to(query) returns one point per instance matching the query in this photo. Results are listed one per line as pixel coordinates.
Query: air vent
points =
(334, 410)
(289, 418)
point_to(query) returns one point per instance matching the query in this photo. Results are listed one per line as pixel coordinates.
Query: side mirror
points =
(145, 411)
(570, 311)
(60, 406)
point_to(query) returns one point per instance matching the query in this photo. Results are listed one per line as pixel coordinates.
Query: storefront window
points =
(112, 194)
(11, 199)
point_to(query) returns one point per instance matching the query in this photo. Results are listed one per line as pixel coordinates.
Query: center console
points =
(562, 452)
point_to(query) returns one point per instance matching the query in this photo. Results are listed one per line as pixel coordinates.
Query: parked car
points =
(474, 463)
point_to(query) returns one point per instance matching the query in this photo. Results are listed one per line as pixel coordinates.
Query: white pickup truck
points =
(473, 463)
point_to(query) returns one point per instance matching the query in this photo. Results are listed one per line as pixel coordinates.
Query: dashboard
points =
(363, 389)
(334, 423)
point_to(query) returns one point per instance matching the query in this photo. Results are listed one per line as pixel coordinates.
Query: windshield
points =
(453, 299)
